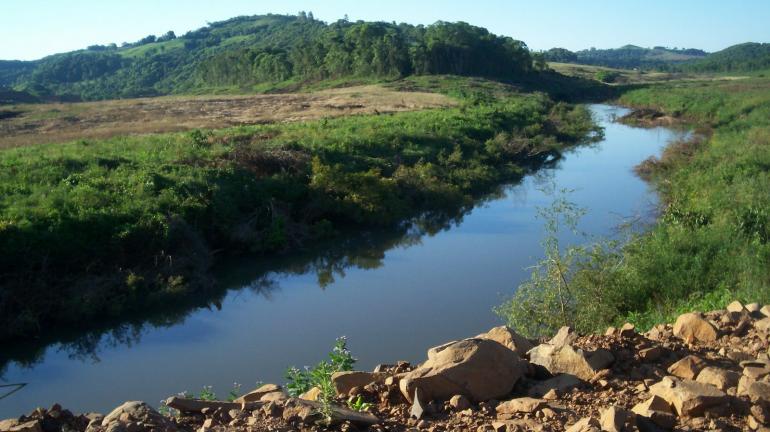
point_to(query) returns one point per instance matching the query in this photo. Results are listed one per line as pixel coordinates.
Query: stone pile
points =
(707, 371)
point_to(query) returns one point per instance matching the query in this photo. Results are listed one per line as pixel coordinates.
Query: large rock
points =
(687, 368)
(527, 405)
(139, 413)
(689, 398)
(657, 410)
(566, 359)
(691, 327)
(560, 384)
(17, 426)
(479, 369)
(613, 419)
(508, 338)
(588, 424)
(267, 391)
(347, 380)
(759, 391)
(722, 379)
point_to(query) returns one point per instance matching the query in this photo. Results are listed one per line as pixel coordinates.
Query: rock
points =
(687, 368)
(566, 359)
(519, 405)
(755, 370)
(651, 354)
(274, 396)
(479, 369)
(759, 391)
(765, 311)
(762, 325)
(735, 306)
(257, 394)
(761, 412)
(753, 308)
(628, 330)
(346, 381)
(558, 384)
(689, 398)
(613, 419)
(418, 406)
(587, 424)
(312, 395)
(295, 411)
(138, 412)
(459, 403)
(509, 339)
(17, 426)
(691, 327)
(720, 378)
(657, 410)
(565, 336)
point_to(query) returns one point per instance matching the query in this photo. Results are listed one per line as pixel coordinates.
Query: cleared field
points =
(44, 123)
(626, 76)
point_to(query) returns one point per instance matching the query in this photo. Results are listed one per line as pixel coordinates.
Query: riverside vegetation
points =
(93, 229)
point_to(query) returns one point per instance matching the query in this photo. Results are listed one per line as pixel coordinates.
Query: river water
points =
(393, 294)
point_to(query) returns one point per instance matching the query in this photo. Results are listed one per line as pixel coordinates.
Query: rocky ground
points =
(705, 372)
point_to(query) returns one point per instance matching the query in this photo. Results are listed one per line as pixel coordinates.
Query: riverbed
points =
(392, 294)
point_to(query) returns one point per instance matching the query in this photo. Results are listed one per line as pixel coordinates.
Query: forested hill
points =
(627, 57)
(744, 57)
(267, 52)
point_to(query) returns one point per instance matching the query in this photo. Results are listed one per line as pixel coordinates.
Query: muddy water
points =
(393, 294)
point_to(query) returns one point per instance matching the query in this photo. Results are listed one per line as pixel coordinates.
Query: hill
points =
(743, 57)
(626, 57)
(268, 52)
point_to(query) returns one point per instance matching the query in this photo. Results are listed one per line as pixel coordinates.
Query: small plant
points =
(207, 394)
(234, 393)
(199, 139)
(300, 381)
(356, 403)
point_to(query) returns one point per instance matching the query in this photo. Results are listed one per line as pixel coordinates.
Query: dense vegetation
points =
(626, 57)
(93, 229)
(265, 53)
(743, 57)
(711, 243)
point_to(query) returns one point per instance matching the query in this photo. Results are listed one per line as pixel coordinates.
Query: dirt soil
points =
(58, 122)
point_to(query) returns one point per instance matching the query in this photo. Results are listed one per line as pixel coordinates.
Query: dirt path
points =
(44, 123)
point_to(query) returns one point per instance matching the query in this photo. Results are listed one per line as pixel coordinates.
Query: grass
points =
(57, 122)
(96, 229)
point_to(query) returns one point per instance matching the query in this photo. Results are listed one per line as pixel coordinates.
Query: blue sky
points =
(30, 29)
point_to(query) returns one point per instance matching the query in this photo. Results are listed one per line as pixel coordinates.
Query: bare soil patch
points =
(58, 122)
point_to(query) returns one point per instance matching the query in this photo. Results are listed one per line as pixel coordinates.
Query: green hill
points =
(267, 52)
(744, 57)
(626, 57)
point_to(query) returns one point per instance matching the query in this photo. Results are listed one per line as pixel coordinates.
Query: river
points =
(393, 294)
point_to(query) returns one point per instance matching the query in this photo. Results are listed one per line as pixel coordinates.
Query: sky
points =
(31, 29)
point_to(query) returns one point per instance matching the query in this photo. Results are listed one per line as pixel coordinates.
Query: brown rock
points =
(256, 394)
(479, 369)
(651, 354)
(588, 424)
(138, 412)
(274, 396)
(613, 419)
(687, 368)
(556, 385)
(459, 403)
(689, 398)
(761, 412)
(759, 391)
(720, 378)
(312, 395)
(691, 327)
(762, 325)
(508, 338)
(519, 405)
(657, 410)
(765, 311)
(17, 426)
(628, 330)
(566, 359)
(753, 308)
(735, 306)
(347, 380)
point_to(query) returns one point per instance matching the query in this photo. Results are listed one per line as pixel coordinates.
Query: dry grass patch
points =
(44, 123)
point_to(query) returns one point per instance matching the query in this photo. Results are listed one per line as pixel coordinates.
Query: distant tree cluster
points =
(245, 51)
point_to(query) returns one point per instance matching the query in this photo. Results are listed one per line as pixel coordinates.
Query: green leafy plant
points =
(320, 376)
(207, 394)
(356, 403)
(234, 393)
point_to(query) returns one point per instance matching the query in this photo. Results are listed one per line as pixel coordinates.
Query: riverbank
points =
(95, 230)
(706, 371)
